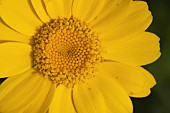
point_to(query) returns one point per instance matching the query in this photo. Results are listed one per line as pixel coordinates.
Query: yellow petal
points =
(112, 10)
(14, 58)
(8, 34)
(135, 80)
(43, 101)
(58, 8)
(87, 10)
(27, 90)
(137, 20)
(40, 10)
(138, 50)
(62, 101)
(88, 99)
(116, 98)
(18, 15)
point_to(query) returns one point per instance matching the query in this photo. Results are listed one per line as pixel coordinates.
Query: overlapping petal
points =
(62, 101)
(8, 34)
(135, 80)
(116, 99)
(27, 91)
(112, 10)
(135, 19)
(139, 50)
(15, 58)
(25, 22)
(87, 10)
(88, 99)
(39, 8)
(59, 8)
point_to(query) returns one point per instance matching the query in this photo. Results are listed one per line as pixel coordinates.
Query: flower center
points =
(66, 51)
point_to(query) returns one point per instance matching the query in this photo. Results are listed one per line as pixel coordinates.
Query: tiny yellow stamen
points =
(66, 51)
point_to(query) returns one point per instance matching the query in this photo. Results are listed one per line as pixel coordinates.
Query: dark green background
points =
(159, 100)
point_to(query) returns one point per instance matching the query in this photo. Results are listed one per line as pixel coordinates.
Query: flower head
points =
(66, 51)
(75, 56)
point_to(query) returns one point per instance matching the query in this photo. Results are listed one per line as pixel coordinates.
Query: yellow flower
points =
(68, 56)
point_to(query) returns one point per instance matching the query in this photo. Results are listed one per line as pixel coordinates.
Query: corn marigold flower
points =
(74, 56)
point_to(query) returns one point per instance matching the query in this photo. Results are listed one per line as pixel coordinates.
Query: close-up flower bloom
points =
(75, 56)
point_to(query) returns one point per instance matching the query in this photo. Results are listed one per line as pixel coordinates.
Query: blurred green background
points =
(159, 100)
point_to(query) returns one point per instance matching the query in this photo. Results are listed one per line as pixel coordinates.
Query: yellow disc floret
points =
(66, 51)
